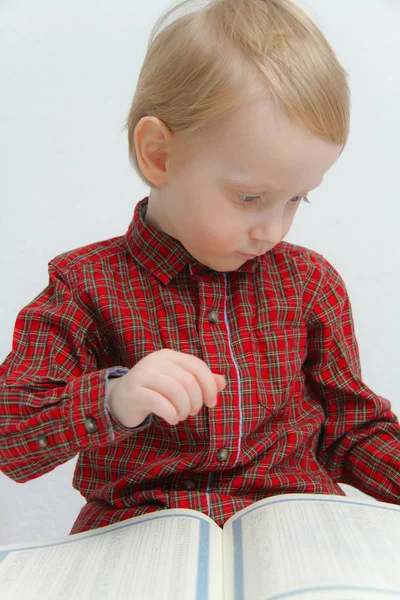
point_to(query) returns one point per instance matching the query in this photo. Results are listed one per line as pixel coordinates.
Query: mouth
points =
(248, 255)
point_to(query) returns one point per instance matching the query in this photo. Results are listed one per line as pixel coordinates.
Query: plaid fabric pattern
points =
(295, 415)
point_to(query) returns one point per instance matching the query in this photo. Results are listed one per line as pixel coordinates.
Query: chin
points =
(222, 265)
(229, 268)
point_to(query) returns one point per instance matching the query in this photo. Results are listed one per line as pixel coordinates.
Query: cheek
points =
(292, 213)
(213, 233)
(223, 229)
(289, 220)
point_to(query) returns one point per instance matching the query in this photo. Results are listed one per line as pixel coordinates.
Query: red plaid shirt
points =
(295, 415)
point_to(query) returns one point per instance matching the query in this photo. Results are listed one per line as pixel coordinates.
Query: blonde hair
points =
(203, 66)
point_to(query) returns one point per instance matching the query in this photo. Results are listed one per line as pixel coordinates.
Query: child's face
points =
(258, 153)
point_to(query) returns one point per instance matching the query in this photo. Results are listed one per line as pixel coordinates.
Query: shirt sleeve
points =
(360, 439)
(52, 395)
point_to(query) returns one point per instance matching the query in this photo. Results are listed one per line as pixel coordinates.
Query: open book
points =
(296, 546)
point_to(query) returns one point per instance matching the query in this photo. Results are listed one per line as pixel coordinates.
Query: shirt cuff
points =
(91, 423)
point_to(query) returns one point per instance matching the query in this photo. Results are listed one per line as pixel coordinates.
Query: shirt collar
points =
(162, 255)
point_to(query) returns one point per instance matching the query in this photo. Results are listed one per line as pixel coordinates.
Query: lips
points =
(248, 255)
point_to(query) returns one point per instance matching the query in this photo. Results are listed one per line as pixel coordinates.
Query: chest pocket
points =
(278, 358)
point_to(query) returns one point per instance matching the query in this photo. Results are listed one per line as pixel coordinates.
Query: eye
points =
(256, 199)
(253, 199)
(298, 199)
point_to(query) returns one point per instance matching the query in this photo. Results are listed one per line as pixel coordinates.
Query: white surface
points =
(298, 548)
(164, 550)
(68, 71)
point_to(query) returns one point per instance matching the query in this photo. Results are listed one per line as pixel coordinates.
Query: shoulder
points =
(308, 263)
(308, 272)
(97, 255)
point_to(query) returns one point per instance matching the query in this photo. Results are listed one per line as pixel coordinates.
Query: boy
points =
(199, 361)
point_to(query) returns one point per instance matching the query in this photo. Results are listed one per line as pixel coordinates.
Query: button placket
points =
(222, 453)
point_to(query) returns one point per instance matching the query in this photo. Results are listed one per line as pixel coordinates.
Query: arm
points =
(52, 397)
(360, 439)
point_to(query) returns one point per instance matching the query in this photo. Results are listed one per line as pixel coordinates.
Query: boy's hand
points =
(170, 384)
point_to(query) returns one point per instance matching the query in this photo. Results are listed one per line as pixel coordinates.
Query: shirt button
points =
(213, 316)
(189, 484)
(42, 441)
(91, 425)
(222, 454)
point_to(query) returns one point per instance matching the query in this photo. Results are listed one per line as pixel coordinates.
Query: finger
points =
(167, 384)
(192, 386)
(159, 405)
(203, 374)
(220, 381)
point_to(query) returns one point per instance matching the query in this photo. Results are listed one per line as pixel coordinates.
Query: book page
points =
(170, 554)
(309, 546)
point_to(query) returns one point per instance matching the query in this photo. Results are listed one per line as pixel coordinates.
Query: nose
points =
(268, 233)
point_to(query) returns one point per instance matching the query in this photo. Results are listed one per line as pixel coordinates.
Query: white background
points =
(68, 70)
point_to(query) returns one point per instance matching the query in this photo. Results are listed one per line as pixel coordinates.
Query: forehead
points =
(260, 143)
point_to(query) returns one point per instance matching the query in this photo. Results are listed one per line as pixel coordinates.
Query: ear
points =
(151, 143)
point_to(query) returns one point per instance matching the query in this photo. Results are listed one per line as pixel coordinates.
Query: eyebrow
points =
(243, 177)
